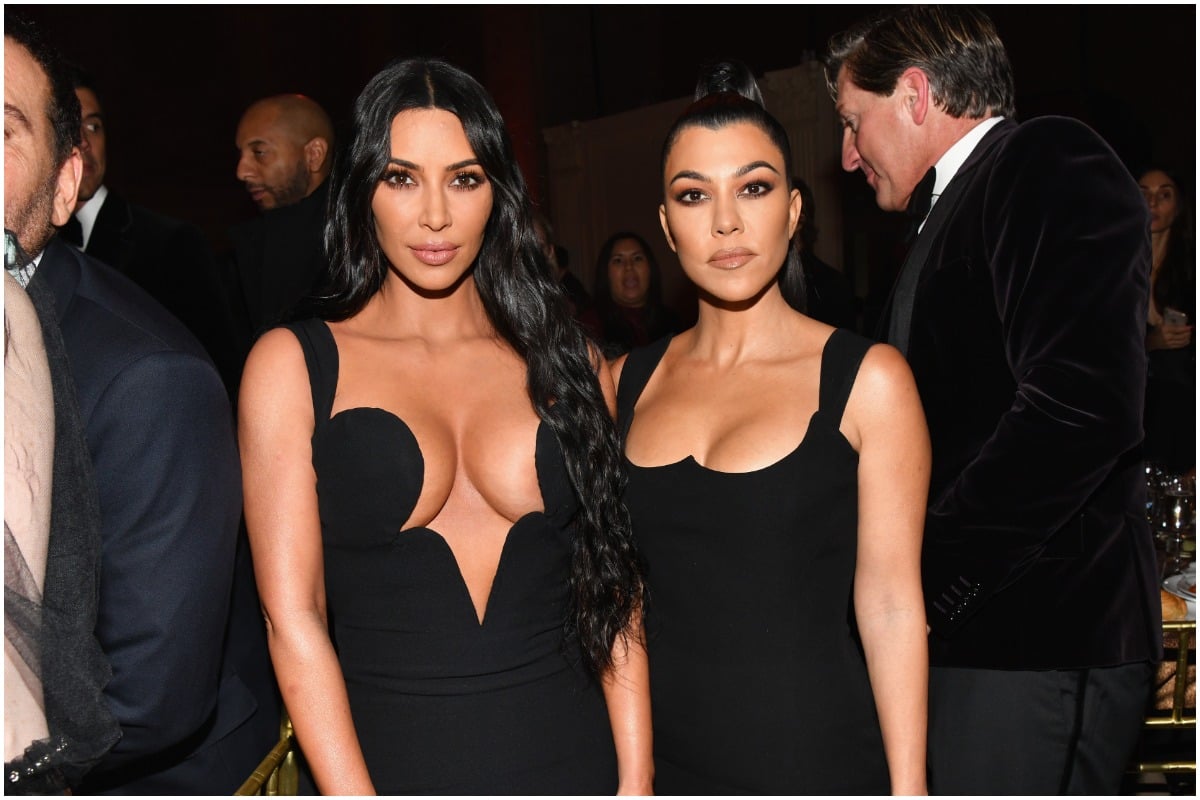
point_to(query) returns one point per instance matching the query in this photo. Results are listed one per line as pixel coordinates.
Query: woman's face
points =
(1162, 196)
(727, 212)
(629, 273)
(433, 203)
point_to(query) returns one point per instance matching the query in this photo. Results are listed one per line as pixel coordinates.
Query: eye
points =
(398, 178)
(757, 188)
(468, 180)
(690, 197)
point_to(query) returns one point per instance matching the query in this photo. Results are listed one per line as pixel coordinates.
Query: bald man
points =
(277, 258)
(286, 147)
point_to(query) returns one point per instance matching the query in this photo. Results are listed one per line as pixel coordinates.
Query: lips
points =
(436, 254)
(731, 258)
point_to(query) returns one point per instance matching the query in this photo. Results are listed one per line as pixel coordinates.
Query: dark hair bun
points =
(731, 77)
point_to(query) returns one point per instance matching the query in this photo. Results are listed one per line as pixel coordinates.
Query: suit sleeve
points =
(1066, 245)
(164, 451)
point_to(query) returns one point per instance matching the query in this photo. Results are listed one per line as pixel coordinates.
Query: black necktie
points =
(919, 203)
(72, 232)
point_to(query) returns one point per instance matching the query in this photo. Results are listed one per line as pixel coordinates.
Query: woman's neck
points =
(1159, 244)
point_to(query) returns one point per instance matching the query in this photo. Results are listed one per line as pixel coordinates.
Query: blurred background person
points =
(830, 298)
(285, 148)
(627, 306)
(1170, 324)
(169, 258)
(557, 256)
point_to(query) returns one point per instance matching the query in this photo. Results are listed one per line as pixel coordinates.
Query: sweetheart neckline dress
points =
(757, 678)
(442, 702)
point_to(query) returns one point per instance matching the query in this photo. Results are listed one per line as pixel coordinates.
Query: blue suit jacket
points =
(173, 262)
(178, 612)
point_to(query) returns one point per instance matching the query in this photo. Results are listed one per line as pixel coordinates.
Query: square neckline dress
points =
(758, 682)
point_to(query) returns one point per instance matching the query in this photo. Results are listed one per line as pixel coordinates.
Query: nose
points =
(435, 212)
(85, 144)
(850, 157)
(726, 217)
(244, 171)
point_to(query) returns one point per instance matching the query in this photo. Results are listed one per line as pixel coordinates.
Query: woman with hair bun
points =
(778, 471)
(432, 482)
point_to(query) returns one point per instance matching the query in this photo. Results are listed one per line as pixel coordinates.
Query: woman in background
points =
(432, 482)
(628, 309)
(778, 477)
(1170, 415)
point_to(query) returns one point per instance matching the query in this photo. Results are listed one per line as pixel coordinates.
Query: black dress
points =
(757, 677)
(442, 703)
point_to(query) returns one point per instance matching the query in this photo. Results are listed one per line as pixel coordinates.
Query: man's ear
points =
(66, 188)
(662, 220)
(913, 84)
(315, 152)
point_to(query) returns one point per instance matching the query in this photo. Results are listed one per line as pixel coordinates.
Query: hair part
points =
(524, 303)
(957, 48)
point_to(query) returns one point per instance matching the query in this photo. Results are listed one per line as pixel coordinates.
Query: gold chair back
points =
(277, 773)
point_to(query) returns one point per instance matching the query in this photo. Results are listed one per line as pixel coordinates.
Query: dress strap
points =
(840, 360)
(321, 356)
(635, 374)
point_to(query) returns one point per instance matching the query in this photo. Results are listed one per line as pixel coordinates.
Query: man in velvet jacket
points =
(1021, 308)
(178, 617)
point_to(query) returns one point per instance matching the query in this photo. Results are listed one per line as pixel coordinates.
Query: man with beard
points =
(178, 617)
(285, 145)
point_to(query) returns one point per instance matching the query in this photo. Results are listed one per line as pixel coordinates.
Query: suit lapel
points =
(898, 312)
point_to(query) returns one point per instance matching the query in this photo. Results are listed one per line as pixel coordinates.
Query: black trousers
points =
(1002, 732)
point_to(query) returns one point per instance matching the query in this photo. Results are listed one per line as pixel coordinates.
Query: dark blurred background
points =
(175, 79)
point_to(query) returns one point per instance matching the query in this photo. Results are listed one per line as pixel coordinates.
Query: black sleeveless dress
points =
(758, 682)
(443, 704)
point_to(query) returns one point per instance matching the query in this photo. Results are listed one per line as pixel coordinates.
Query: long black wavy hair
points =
(727, 94)
(523, 302)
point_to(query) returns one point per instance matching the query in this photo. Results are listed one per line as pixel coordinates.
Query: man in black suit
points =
(285, 153)
(1021, 308)
(169, 258)
(178, 616)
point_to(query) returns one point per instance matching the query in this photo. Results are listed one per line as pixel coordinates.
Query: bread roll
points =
(1173, 606)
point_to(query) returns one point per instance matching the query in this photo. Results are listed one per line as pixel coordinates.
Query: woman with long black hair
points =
(432, 482)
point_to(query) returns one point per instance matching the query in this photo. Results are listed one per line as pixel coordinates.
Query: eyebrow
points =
(688, 174)
(17, 115)
(457, 165)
